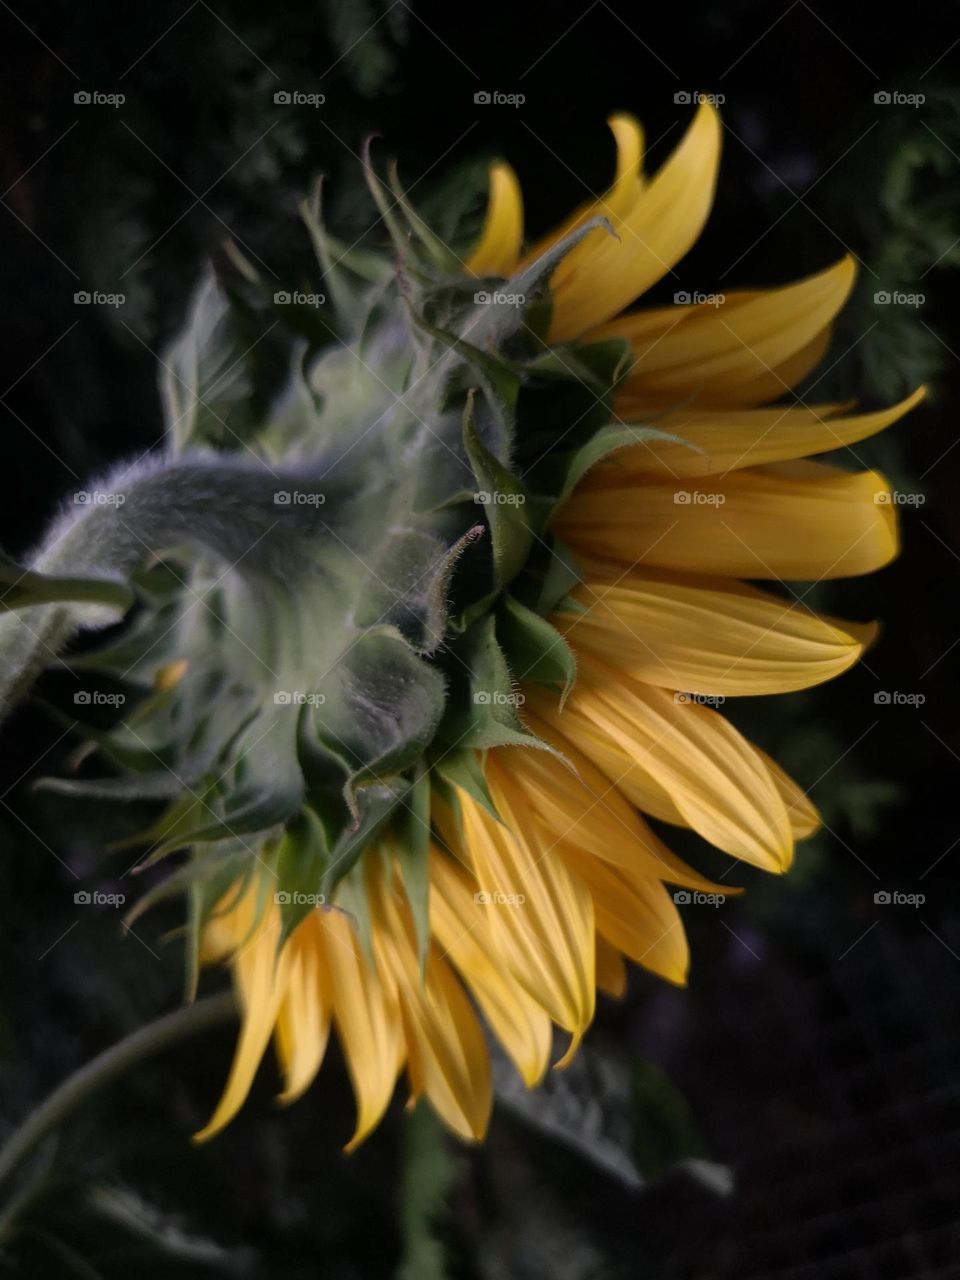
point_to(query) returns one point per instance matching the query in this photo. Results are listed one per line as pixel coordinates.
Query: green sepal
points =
(483, 705)
(412, 848)
(463, 769)
(510, 531)
(608, 440)
(535, 650)
(300, 865)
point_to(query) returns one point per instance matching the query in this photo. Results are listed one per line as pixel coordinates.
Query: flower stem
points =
(142, 1043)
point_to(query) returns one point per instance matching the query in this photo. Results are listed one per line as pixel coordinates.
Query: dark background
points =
(813, 1061)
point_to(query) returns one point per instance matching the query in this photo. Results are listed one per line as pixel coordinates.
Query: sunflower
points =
(543, 874)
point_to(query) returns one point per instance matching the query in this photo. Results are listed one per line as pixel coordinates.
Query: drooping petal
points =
(540, 915)
(636, 914)
(303, 1022)
(605, 273)
(368, 1022)
(717, 441)
(791, 520)
(713, 776)
(709, 636)
(497, 250)
(462, 931)
(261, 976)
(447, 1054)
(585, 811)
(741, 351)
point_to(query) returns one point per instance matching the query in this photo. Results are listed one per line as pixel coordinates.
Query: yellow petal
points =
(618, 200)
(717, 441)
(802, 812)
(611, 970)
(791, 520)
(367, 1020)
(541, 917)
(447, 1054)
(605, 272)
(261, 976)
(460, 926)
(745, 350)
(714, 778)
(303, 1023)
(636, 914)
(585, 811)
(497, 250)
(709, 636)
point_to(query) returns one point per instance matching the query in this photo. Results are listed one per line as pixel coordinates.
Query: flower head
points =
(480, 635)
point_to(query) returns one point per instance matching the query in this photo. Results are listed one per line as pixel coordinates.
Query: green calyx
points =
(345, 554)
